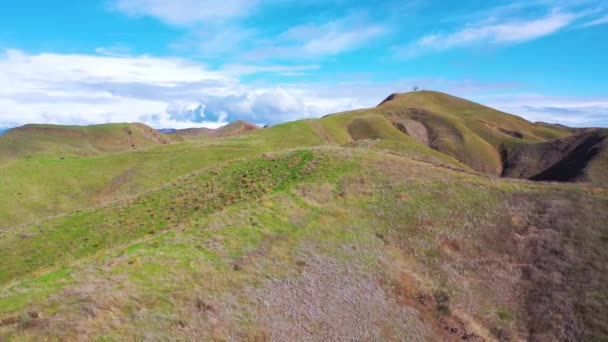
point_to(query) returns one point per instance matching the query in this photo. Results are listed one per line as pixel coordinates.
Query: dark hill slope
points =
(580, 157)
(66, 141)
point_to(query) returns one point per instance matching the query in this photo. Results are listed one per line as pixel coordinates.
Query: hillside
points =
(428, 126)
(80, 182)
(579, 157)
(470, 132)
(69, 141)
(388, 223)
(228, 252)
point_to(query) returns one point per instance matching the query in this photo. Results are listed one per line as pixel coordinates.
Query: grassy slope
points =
(466, 130)
(229, 238)
(44, 184)
(233, 252)
(41, 186)
(69, 141)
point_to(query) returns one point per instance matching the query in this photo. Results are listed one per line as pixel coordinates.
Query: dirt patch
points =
(356, 186)
(315, 194)
(449, 246)
(9, 321)
(434, 309)
(438, 130)
(414, 129)
(563, 268)
(332, 301)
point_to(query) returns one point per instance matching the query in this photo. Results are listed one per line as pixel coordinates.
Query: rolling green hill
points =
(387, 223)
(470, 132)
(51, 184)
(70, 141)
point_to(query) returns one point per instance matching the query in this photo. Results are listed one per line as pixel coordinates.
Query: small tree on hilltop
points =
(415, 88)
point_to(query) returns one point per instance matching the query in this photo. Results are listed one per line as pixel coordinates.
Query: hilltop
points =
(468, 131)
(428, 218)
(232, 129)
(67, 141)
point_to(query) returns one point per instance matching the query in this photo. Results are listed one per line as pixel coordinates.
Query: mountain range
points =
(428, 217)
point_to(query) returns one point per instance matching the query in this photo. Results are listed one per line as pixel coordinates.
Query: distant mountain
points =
(166, 130)
(232, 129)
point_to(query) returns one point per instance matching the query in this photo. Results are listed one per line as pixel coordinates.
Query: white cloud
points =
(583, 111)
(599, 21)
(492, 32)
(284, 70)
(216, 41)
(175, 93)
(186, 12)
(321, 39)
(163, 92)
(19, 68)
(263, 105)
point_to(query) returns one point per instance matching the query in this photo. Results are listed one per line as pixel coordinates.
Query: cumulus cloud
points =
(176, 93)
(163, 92)
(186, 12)
(263, 105)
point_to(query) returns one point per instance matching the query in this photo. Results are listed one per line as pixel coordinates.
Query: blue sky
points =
(186, 63)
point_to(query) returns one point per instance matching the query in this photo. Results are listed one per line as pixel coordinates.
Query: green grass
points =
(34, 289)
(43, 184)
(219, 233)
(38, 187)
(505, 315)
(57, 242)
